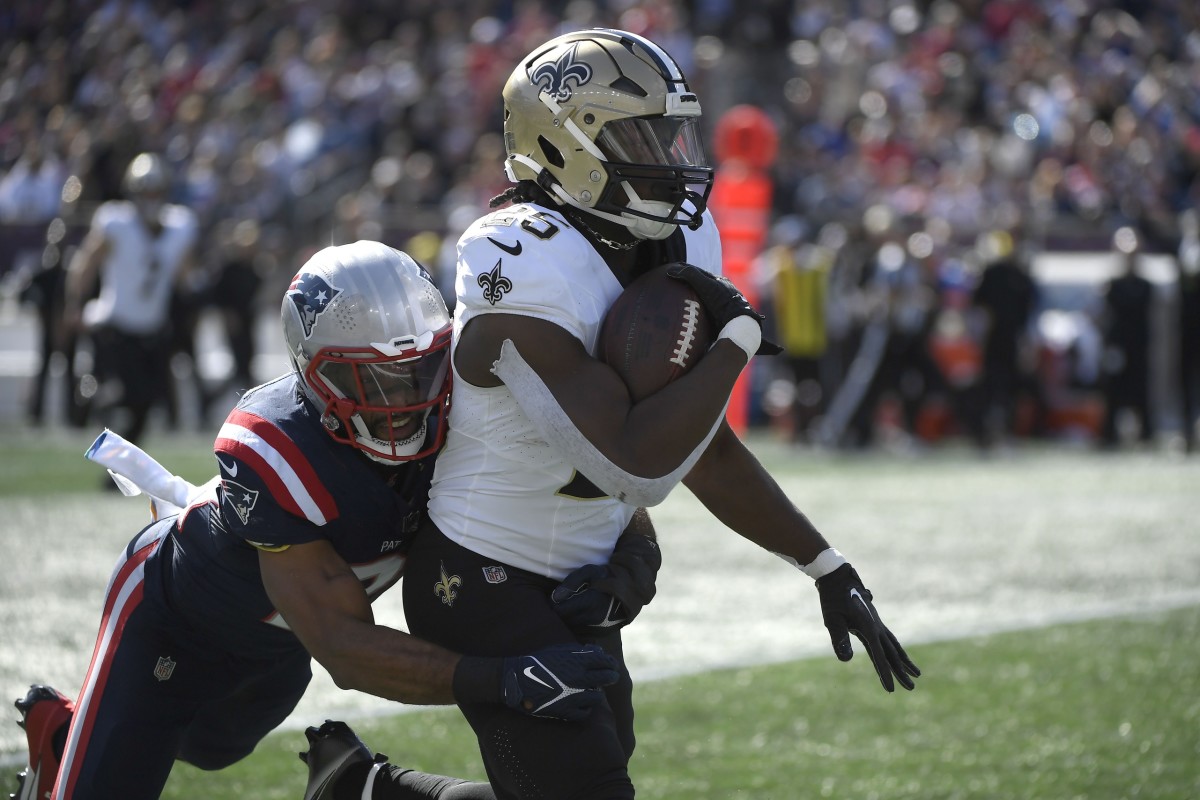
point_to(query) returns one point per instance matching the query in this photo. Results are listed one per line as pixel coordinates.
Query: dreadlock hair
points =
(528, 191)
(524, 192)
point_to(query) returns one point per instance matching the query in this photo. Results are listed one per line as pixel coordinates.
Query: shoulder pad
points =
(523, 260)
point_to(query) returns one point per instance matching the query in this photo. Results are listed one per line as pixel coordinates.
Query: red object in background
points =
(746, 134)
(745, 146)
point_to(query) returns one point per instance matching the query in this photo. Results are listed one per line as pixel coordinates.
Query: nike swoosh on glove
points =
(846, 608)
(562, 681)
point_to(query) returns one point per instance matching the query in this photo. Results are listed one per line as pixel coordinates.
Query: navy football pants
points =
(156, 691)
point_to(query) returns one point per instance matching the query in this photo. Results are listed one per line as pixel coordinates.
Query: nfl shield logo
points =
(164, 668)
(494, 574)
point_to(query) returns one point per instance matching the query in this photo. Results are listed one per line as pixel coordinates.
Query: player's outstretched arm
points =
(847, 607)
(737, 489)
(325, 605)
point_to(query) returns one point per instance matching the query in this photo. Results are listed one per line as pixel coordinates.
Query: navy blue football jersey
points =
(285, 481)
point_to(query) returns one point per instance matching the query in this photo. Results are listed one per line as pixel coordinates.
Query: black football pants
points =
(493, 609)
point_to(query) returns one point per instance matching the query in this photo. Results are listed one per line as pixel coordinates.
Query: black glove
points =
(721, 299)
(846, 608)
(598, 597)
(562, 681)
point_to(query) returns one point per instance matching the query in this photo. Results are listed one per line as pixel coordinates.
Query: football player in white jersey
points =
(138, 249)
(547, 456)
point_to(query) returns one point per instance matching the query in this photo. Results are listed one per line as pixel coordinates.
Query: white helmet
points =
(604, 121)
(146, 183)
(368, 334)
(146, 173)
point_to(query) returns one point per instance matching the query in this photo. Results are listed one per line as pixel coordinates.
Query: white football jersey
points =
(137, 276)
(499, 488)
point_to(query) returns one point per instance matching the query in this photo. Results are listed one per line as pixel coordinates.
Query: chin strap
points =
(577, 219)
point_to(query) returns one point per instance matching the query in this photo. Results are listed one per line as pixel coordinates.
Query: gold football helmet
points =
(603, 120)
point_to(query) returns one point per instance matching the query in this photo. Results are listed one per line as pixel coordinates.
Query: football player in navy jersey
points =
(547, 456)
(213, 613)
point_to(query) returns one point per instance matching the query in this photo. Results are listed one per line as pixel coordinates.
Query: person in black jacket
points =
(1126, 362)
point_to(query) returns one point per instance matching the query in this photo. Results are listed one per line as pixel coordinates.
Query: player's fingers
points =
(902, 660)
(879, 658)
(839, 637)
(603, 677)
(896, 661)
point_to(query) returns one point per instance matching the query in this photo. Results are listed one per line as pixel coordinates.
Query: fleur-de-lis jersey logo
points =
(447, 587)
(556, 78)
(494, 284)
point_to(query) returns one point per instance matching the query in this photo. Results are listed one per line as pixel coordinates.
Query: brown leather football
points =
(655, 331)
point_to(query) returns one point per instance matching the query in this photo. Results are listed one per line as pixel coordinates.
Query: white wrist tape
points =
(826, 562)
(540, 405)
(745, 332)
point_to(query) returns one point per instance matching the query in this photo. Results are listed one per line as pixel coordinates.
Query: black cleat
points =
(332, 749)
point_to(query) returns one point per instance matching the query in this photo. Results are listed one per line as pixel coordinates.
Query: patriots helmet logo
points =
(311, 294)
(555, 79)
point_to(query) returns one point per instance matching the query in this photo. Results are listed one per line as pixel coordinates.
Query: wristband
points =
(826, 562)
(478, 680)
(745, 332)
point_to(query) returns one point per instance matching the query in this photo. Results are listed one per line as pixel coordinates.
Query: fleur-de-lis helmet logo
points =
(494, 284)
(556, 78)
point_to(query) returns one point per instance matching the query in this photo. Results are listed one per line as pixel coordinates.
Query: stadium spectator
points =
(233, 293)
(1007, 296)
(1189, 323)
(1125, 324)
(30, 200)
(894, 357)
(796, 274)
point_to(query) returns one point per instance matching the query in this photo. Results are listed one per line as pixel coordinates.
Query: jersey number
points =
(540, 225)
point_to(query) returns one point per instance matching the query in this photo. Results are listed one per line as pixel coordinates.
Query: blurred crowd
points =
(920, 143)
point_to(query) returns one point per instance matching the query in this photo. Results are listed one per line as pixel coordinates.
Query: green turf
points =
(1106, 709)
(37, 463)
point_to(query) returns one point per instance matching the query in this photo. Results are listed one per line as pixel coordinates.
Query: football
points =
(654, 332)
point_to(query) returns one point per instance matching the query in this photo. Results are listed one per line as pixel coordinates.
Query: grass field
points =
(1051, 597)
